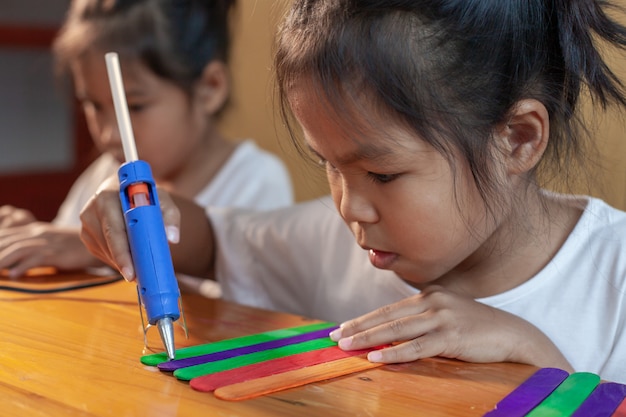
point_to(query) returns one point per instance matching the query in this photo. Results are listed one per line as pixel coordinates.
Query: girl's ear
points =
(213, 88)
(525, 136)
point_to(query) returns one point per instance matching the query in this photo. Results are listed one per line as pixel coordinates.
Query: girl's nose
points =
(356, 206)
(109, 134)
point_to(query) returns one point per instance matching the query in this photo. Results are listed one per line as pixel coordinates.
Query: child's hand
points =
(438, 322)
(42, 244)
(12, 216)
(104, 229)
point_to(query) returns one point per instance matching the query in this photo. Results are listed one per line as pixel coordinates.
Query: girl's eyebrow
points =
(136, 93)
(364, 151)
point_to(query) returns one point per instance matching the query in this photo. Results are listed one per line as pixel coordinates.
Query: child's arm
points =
(438, 322)
(42, 244)
(26, 243)
(187, 225)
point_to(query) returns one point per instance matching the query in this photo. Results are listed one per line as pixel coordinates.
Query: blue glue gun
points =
(156, 282)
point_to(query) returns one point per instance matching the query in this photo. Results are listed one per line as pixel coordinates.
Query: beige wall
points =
(610, 136)
(609, 133)
(253, 112)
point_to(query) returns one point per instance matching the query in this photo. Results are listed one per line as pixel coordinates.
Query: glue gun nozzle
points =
(166, 329)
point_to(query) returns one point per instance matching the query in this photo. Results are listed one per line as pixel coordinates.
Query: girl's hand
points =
(438, 322)
(12, 216)
(104, 230)
(42, 244)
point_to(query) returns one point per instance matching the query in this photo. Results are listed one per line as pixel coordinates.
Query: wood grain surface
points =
(77, 354)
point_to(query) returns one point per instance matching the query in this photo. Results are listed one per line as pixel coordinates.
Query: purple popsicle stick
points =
(244, 350)
(603, 401)
(529, 394)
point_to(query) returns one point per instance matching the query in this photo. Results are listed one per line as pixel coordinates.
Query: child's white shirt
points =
(251, 177)
(579, 298)
(304, 260)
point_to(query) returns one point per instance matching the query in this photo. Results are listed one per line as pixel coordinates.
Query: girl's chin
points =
(387, 261)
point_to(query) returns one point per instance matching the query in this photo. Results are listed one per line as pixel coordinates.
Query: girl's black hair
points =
(453, 70)
(175, 39)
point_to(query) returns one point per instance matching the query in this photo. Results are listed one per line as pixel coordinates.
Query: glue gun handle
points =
(156, 280)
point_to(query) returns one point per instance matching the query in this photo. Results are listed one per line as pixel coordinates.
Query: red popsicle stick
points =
(214, 381)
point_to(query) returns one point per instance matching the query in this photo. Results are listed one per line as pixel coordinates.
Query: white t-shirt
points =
(304, 260)
(251, 178)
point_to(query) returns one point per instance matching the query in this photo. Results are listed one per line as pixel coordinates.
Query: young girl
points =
(433, 119)
(174, 57)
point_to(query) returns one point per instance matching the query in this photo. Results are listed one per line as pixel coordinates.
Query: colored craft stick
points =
(212, 382)
(195, 371)
(603, 401)
(188, 352)
(244, 350)
(291, 379)
(620, 411)
(529, 394)
(568, 396)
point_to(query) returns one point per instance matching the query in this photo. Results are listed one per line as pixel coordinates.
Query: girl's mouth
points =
(382, 260)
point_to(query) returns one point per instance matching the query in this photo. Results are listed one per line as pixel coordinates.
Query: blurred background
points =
(44, 143)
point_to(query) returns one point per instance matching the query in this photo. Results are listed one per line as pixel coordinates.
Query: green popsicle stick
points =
(186, 374)
(568, 396)
(191, 351)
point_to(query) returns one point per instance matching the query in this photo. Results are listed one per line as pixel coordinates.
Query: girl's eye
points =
(329, 167)
(135, 108)
(382, 178)
(324, 163)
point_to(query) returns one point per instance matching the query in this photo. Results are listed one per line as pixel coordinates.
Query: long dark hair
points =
(452, 70)
(175, 39)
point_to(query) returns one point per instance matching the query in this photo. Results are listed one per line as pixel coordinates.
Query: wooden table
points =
(77, 354)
